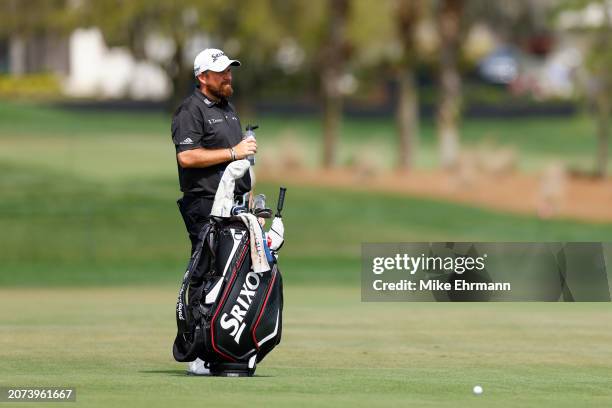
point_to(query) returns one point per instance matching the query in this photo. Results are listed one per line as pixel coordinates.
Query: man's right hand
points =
(245, 148)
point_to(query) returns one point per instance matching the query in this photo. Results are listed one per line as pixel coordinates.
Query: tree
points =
(599, 84)
(30, 17)
(396, 50)
(321, 30)
(449, 109)
(225, 24)
(513, 20)
(407, 111)
(591, 21)
(333, 56)
(24, 23)
(130, 23)
(599, 64)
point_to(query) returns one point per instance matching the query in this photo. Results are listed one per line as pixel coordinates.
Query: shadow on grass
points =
(183, 373)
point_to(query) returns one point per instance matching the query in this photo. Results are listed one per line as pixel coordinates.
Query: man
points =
(207, 136)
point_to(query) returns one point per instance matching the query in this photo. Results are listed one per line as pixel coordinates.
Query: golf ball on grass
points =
(477, 390)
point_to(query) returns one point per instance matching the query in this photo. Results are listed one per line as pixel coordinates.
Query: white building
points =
(87, 67)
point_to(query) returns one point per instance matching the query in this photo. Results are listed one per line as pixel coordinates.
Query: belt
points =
(194, 196)
(198, 195)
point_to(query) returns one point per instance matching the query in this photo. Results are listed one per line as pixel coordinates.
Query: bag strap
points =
(182, 316)
(189, 332)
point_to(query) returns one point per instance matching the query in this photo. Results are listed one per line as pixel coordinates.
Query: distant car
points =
(499, 67)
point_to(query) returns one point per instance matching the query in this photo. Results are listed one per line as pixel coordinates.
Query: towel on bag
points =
(258, 254)
(222, 207)
(224, 197)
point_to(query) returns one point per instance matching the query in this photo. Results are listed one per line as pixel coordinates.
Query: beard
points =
(223, 91)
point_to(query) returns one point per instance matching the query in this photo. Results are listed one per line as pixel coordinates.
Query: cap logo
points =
(216, 56)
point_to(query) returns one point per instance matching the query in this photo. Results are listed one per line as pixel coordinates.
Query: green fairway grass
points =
(114, 346)
(62, 229)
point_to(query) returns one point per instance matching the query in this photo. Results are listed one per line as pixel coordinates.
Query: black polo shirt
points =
(200, 122)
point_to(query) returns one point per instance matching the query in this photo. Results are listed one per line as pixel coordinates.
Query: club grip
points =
(281, 201)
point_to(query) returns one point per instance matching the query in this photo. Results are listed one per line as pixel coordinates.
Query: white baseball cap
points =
(212, 59)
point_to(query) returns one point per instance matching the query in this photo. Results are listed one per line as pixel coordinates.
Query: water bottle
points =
(250, 132)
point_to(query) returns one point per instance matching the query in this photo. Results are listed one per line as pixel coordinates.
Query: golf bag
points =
(226, 314)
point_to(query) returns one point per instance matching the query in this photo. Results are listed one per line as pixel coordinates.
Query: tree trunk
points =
(603, 131)
(448, 117)
(407, 117)
(332, 65)
(180, 76)
(332, 117)
(408, 13)
(602, 97)
(17, 55)
(449, 109)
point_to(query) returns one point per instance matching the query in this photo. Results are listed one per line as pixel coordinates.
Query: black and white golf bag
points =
(229, 316)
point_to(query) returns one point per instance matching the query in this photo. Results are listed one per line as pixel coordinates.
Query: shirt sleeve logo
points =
(214, 120)
(187, 141)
